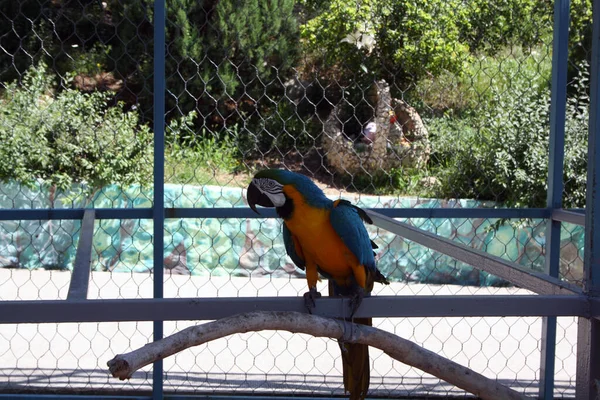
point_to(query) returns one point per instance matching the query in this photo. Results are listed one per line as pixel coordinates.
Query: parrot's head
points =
(266, 189)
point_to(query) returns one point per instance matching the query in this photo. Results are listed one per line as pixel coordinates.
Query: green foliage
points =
(397, 38)
(224, 54)
(286, 129)
(197, 160)
(490, 25)
(69, 136)
(581, 21)
(396, 181)
(57, 32)
(485, 79)
(221, 55)
(89, 62)
(484, 64)
(409, 40)
(502, 154)
(23, 33)
(580, 34)
(210, 163)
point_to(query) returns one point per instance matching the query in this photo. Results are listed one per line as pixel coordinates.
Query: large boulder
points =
(399, 138)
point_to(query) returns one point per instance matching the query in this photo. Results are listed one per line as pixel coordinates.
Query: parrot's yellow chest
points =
(318, 240)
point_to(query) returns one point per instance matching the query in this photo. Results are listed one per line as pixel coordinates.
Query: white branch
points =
(405, 351)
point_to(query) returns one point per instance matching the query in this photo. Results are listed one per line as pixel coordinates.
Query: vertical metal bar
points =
(159, 186)
(588, 335)
(560, 53)
(592, 217)
(548, 355)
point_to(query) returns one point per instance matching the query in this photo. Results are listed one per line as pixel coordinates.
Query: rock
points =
(400, 138)
(412, 134)
(429, 182)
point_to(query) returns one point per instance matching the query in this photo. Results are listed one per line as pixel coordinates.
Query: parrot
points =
(325, 237)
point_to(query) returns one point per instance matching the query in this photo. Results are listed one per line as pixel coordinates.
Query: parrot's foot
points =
(309, 299)
(356, 300)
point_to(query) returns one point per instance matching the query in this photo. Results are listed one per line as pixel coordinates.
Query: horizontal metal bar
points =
(514, 273)
(73, 213)
(58, 395)
(47, 311)
(219, 212)
(80, 277)
(572, 217)
(22, 394)
(245, 212)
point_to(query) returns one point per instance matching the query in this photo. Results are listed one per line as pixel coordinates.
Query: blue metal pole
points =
(560, 54)
(158, 213)
(588, 329)
(592, 220)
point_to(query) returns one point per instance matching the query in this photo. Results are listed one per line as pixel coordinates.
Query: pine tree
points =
(227, 52)
(221, 55)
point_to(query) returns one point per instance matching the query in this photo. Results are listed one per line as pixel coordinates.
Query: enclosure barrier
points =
(554, 297)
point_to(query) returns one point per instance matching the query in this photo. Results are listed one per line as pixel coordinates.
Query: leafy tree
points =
(405, 40)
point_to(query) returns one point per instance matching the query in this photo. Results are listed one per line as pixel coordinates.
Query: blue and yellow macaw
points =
(329, 238)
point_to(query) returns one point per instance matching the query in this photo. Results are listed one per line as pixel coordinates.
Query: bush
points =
(207, 163)
(198, 160)
(69, 136)
(484, 80)
(395, 181)
(502, 154)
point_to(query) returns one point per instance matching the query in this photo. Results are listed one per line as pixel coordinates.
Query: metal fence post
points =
(560, 53)
(159, 172)
(588, 335)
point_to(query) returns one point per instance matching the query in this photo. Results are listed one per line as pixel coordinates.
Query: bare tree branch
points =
(405, 351)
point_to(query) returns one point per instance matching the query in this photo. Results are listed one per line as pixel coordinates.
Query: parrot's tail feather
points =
(356, 366)
(356, 363)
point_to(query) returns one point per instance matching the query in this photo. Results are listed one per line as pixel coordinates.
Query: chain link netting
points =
(388, 104)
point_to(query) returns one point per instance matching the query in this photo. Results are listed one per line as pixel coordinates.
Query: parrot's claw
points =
(356, 300)
(309, 299)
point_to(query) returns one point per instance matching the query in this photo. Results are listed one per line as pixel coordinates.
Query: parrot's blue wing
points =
(290, 247)
(347, 221)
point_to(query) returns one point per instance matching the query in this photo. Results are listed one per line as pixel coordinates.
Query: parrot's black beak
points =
(254, 197)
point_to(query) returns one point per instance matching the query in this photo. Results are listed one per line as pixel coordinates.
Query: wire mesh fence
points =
(388, 104)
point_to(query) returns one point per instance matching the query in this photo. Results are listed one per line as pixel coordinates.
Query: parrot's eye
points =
(268, 185)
